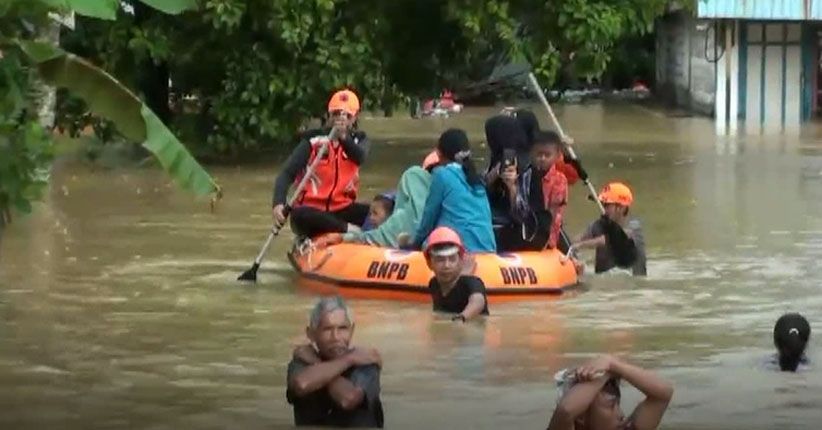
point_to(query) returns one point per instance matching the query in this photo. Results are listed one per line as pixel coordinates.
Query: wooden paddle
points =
(622, 247)
(251, 274)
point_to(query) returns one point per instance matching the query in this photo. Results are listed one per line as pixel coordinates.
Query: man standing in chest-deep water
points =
(451, 291)
(330, 383)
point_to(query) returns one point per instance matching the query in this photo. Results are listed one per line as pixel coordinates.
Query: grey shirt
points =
(319, 409)
(604, 259)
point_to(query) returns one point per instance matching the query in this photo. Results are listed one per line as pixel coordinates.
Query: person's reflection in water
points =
(330, 383)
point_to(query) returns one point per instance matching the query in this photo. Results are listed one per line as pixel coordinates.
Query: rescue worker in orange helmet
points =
(451, 291)
(328, 203)
(618, 239)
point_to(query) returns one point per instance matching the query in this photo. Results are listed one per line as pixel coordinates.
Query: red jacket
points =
(555, 196)
(336, 179)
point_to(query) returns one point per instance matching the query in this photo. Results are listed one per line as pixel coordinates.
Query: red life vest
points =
(336, 179)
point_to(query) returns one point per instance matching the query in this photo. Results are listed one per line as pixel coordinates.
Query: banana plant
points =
(108, 98)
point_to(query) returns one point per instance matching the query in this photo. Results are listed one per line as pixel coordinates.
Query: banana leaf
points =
(109, 98)
(103, 9)
(172, 7)
(107, 9)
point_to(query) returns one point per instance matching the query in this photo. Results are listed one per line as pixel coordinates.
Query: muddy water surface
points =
(119, 308)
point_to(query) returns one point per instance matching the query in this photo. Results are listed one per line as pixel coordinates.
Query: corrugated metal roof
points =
(809, 10)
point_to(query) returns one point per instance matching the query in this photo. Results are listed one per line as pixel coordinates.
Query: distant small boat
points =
(443, 106)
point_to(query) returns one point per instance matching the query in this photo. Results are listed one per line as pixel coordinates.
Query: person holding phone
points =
(507, 142)
(537, 198)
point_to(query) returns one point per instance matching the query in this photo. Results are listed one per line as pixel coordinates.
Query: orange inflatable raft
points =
(364, 271)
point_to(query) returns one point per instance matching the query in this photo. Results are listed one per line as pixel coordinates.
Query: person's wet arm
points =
(658, 393)
(476, 303)
(345, 394)
(635, 233)
(317, 376)
(356, 146)
(591, 243)
(556, 205)
(432, 210)
(296, 162)
(593, 237)
(510, 180)
(362, 386)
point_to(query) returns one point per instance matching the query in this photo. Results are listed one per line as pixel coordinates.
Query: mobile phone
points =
(509, 158)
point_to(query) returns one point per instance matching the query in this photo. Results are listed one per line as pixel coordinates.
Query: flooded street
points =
(119, 306)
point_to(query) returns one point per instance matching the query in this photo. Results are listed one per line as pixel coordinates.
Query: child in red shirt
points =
(545, 154)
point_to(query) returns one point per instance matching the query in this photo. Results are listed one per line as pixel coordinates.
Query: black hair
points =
(612, 387)
(453, 146)
(504, 132)
(547, 137)
(529, 124)
(790, 336)
(386, 202)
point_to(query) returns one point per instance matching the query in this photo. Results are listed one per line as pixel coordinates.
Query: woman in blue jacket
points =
(457, 197)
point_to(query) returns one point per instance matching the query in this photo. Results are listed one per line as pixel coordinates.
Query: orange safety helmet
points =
(616, 192)
(346, 101)
(443, 236)
(432, 159)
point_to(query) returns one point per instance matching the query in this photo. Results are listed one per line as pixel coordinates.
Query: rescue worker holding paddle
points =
(328, 204)
(618, 239)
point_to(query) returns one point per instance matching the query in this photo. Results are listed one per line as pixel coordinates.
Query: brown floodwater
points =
(119, 307)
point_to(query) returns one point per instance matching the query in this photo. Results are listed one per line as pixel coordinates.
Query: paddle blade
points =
(250, 274)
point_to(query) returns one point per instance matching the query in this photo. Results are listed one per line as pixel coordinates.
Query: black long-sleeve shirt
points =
(356, 146)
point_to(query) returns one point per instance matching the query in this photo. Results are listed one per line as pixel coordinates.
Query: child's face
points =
(544, 156)
(377, 213)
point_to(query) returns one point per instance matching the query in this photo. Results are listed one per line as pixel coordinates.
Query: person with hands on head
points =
(590, 397)
(451, 291)
(329, 201)
(329, 382)
(618, 239)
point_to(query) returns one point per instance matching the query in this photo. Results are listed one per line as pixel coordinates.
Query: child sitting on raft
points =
(590, 397)
(379, 210)
(409, 201)
(450, 290)
(790, 336)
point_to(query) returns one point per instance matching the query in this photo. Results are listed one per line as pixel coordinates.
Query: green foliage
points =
(253, 71)
(109, 98)
(174, 157)
(172, 7)
(25, 148)
(103, 9)
(576, 38)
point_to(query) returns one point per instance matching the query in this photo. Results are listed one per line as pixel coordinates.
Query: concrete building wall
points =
(685, 69)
